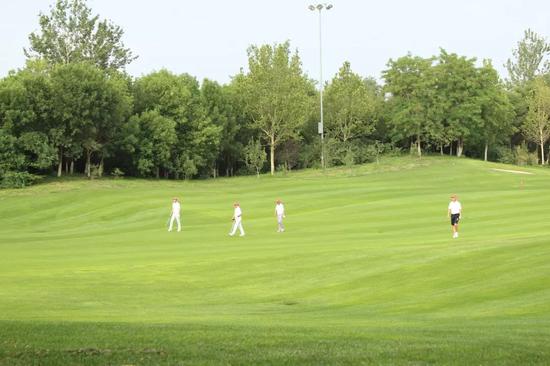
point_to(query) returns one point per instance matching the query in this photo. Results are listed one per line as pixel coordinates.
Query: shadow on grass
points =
(24, 343)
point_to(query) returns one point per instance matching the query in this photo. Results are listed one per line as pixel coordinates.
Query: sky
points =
(209, 38)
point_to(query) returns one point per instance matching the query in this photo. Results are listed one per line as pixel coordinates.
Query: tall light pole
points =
(321, 127)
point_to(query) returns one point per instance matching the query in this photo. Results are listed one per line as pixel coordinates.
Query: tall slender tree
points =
(537, 124)
(496, 109)
(530, 58)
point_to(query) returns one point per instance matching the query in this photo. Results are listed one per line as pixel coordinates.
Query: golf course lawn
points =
(366, 273)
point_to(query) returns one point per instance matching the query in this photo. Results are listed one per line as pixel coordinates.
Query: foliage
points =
(522, 156)
(178, 98)
(17, 179)
(92, 105)
(350, 106)
(519, 155)
(156, 139)
(255, 156)
(72, 107)
(497, 114)
(536, 127)
(71, 34)
(188, 168)
(277, 94)
(222, 109)
(411, 84)
(530, 58)
(117, 173)
(505, 155)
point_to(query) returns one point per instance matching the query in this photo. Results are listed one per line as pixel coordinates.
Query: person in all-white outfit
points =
(237, 220)
(175, 214)
(454, 212)
(280, 213)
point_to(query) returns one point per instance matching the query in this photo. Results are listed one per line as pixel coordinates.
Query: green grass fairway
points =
(367, 272)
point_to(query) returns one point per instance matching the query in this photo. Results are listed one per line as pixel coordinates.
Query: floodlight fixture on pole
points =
(321, 127)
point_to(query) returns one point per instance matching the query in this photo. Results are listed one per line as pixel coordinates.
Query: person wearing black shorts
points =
(454, 212)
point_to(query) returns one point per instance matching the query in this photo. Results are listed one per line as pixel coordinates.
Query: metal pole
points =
(321, 126)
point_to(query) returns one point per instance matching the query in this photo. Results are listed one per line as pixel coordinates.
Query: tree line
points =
(73, 109)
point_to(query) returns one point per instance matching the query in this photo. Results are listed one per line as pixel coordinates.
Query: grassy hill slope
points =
(367, 271)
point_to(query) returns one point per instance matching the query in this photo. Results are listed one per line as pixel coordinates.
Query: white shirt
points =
(280, 209)
(237, 214)
(176, 208)
(455, 207)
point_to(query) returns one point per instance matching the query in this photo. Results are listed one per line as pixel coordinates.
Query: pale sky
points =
(209, 38)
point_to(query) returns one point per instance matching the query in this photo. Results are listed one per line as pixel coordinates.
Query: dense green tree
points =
(160, 90)
(411, 84)
(92, 104)
(178, 97)
(278, 95)
(70, 33)
(156, 140)
(496, 109)
(459, 97)
(221, 109)
(11, 159)
(350, 106)
(71, 104)
(198, 135)
(26, 114)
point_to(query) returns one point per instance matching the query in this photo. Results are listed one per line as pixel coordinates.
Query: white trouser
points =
(237, 225)
(177, 218)
(280, 222)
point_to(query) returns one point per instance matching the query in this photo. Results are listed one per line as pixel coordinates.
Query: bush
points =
(189, 169)
(283, 168)
(392, 151)
(524, 157)
(95, 171)
(310, 156)
(349, 158)
(520, 155)
(18, 179)
(505, 155)
(117, 173)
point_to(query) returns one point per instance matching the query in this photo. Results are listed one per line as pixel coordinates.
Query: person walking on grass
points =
(237, 220)
(280, 213)
(454, 212)
(175, 214)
